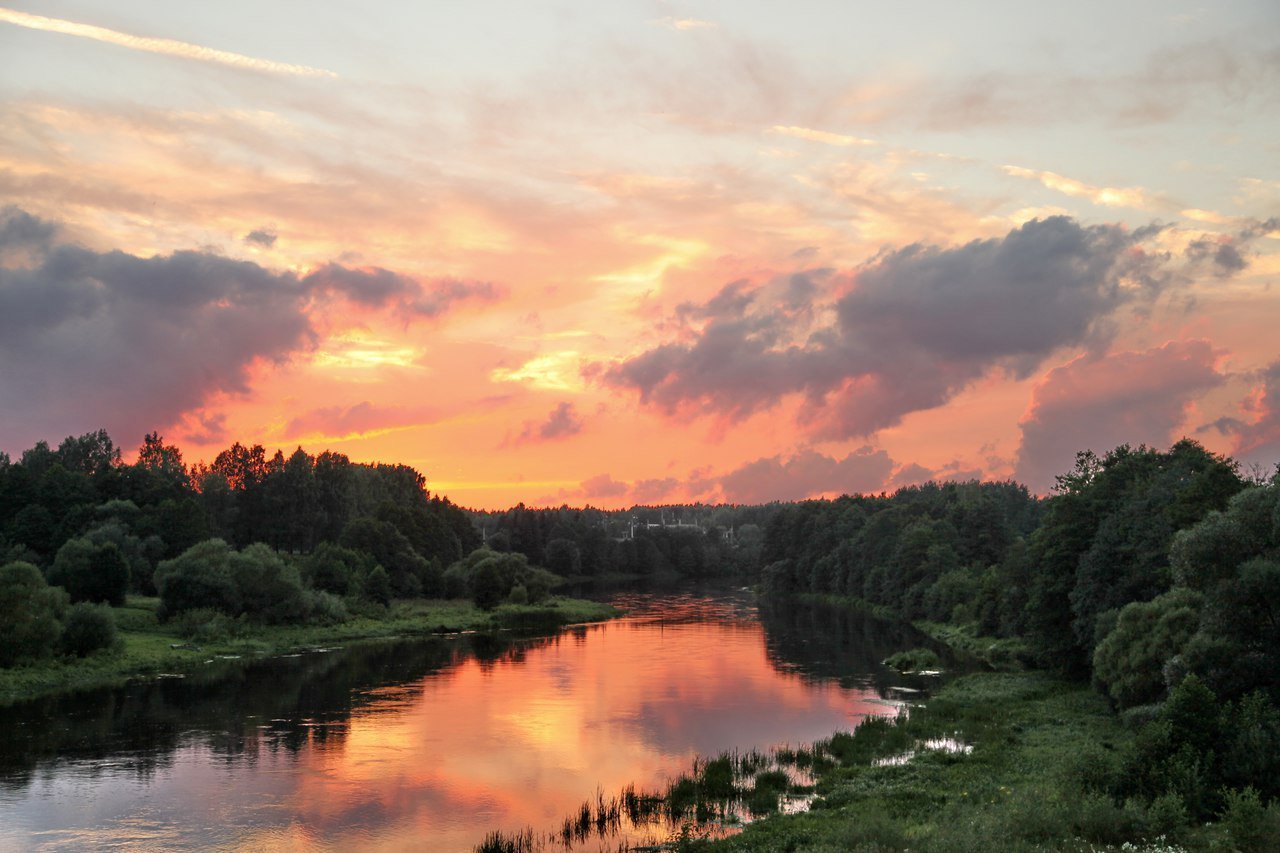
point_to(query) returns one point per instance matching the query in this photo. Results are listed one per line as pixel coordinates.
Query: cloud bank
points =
(912, 329)
(107, 339)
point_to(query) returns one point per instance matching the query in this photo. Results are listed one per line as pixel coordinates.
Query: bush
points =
(325, 608)
(90, 572)
(30, 614)
(488, 578)
(1252, 826)
(88, 628)
(206, 625)
(913, 660)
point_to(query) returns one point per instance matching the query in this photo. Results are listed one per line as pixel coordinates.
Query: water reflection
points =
(428, 744)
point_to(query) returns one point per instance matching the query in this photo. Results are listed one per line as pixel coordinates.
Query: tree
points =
(563, 558)
(197, 578)
(88, 628)
(90, 572)
(30, 614)
(1129, 663)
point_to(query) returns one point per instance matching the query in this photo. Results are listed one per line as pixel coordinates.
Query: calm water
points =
(429, 744)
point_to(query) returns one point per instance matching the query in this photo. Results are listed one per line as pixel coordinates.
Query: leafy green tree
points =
(30, 614)
(90, 572)
(487, 587)
(1211, 551)
(377, 586)
(1129, 663)
(564, 558)
(411, 574)
(269, 588)
(341, 571)
(199, 577)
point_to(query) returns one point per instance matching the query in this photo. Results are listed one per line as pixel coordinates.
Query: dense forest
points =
(1154, 574)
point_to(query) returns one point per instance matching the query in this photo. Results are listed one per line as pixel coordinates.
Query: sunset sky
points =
(640, 252)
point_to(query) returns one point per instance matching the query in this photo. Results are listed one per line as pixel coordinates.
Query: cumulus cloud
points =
(807, 474)
(913, 328)
(562, 422)
(107, 339)
(1098, 403)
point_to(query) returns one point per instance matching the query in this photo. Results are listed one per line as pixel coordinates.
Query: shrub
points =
(1252, 826)
(206, 625)
(90, 572)
(88, 628)
(913, 660)
(30, 613)
(325, 608)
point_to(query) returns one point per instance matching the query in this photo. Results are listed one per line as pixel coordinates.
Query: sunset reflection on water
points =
(504, 741)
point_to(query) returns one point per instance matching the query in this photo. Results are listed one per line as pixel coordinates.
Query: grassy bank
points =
(149, 648)
(995, 762)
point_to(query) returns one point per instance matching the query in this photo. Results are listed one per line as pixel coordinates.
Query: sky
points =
(643, 252)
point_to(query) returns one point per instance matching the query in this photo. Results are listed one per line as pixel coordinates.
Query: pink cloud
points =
(1098, 403)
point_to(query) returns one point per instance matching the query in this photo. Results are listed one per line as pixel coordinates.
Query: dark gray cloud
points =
(21, 230)
(106, 339)
(916, 326)
(261, 237)
(806, 474)
(1222, 256)
(1096, 403)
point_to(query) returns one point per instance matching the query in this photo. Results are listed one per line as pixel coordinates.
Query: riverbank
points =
(149, 648)
(995, 762)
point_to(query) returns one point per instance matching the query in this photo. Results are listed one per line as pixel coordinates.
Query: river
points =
(428, 744)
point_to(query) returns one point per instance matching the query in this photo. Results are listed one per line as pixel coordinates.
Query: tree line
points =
(268, 539)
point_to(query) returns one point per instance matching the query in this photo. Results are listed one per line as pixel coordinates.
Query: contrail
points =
(169, 47)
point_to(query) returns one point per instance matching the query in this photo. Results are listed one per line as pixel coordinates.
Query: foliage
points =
(913, 660)
(90, 572)
(488, 578)
(255, 582)
(30, 614)
(87, 629)
(1129, 663)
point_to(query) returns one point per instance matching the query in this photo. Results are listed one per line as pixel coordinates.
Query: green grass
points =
(1041, 754)
(1002, 653)
(147, 646)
